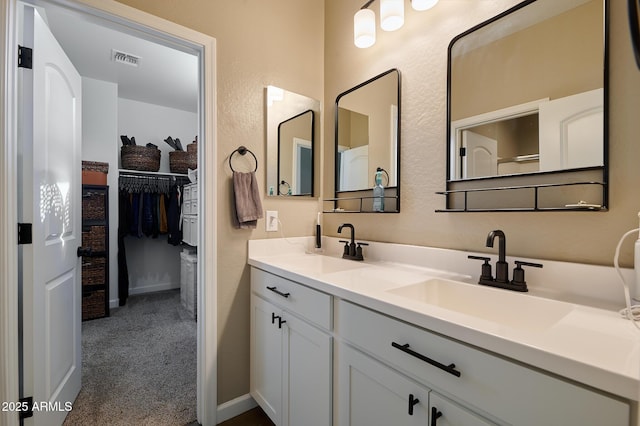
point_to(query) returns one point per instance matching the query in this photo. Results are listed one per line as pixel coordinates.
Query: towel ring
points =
(287, 187)
(242, 150)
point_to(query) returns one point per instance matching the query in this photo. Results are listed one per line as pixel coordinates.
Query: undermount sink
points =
(316, 264)
(506, 308)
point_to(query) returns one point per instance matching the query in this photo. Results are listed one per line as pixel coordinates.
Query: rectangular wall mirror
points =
(291, 134)
(368, 139)
(526, 99)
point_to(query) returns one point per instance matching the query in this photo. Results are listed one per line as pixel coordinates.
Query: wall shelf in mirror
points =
(527, 109)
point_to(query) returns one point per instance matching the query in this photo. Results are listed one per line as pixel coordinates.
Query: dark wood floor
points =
(255, 417)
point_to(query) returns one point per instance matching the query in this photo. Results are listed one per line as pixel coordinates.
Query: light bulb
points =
(423, 4)
(364, 28)
(391, 14)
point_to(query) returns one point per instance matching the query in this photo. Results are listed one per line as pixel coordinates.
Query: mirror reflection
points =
(291, 132)
(526, 92)
(295, 155)
(367, 133)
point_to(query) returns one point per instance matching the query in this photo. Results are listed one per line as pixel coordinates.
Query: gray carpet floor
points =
(139, 365)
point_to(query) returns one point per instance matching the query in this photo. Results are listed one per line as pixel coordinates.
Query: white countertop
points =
(590, 345)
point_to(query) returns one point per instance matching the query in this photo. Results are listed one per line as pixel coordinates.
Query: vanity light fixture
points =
(423, 4)
(391, 14)
(391, 19)
(364, 27)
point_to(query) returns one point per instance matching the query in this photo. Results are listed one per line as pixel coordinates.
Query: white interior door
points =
(572, 131)
(354, 170)
(51, 199)
(481, 157)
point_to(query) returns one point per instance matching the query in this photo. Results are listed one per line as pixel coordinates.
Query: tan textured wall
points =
(278, 42)
(419, 51)
(261, 43)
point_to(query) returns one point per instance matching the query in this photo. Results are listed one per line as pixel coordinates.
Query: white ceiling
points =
(165, 76)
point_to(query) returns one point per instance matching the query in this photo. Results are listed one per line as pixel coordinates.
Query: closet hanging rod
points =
(127, 172)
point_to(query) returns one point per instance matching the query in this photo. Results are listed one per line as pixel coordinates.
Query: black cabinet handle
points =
(273, 317)
(280, 322)
(451, 368)
(276, 291)
(412, 401)
(435, 415)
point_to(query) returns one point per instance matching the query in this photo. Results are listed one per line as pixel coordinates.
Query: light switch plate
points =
(271, 222)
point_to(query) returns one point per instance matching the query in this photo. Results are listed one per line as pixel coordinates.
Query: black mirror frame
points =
(313, 152)
(504, 186)
(399, 136)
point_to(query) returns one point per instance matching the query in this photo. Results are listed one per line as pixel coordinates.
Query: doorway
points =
(130, 21)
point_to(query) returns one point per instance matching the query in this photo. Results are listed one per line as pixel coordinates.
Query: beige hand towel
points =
(246, 194)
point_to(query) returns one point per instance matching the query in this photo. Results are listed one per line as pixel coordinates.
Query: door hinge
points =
(26, 407)
(25, 233)
(25, 57)
(463, 152)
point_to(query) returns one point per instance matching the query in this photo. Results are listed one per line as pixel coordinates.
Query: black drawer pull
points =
(273, 317)
(280, 322)
(451, 368)
(435, 415)
(412, 401)
(276, 291)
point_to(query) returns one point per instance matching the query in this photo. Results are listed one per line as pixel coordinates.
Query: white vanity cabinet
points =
(374, 394)
(291, 351)
(499, 390)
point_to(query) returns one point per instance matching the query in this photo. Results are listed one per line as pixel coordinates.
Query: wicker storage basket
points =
(94, 305)
(180, 161)
(93, 206)
(94, 238)
(94, 270)
(192, 147)
(142, 158)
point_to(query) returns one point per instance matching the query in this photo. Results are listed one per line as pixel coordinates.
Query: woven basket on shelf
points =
(138, 157)
(94, 238)
(94, 270)
(193, 147)
(94, 305)
(94, 205)
(180, 161)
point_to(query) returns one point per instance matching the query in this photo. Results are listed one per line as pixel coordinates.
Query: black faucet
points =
(350, 250)
(502, 267)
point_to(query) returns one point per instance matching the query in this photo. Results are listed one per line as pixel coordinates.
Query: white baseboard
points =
(153, 288)
(235, 407)
(114, 303)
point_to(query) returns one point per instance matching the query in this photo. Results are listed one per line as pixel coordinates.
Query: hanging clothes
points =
(124, 215)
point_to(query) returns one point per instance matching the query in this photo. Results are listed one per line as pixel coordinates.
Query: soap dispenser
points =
(378, 192)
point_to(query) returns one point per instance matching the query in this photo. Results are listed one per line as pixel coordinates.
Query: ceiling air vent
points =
(125, 58)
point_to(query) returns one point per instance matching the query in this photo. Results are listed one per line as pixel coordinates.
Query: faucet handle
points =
(359, 255)
(486, 274)
(518, 273)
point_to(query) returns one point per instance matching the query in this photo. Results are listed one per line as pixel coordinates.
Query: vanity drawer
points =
(308, 303)
(511, 392)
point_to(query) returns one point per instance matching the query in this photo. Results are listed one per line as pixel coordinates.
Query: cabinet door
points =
(370, 393)
(266, 358)
(443, 412)
(307, 374)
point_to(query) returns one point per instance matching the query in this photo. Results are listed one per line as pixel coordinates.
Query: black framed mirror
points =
(527, 106)
(295, 155)
(367, 143)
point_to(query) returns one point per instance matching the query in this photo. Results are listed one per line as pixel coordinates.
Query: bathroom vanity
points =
(341, 342)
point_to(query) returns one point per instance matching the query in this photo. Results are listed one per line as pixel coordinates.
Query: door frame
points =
(205, 45)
